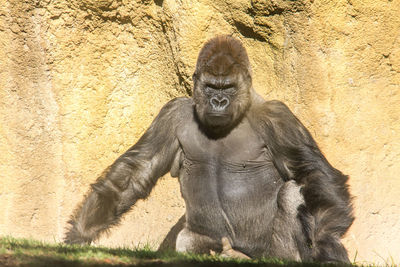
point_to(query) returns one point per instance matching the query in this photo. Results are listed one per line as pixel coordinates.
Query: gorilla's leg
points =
(188, 241)
(169, 242)
(291, 226)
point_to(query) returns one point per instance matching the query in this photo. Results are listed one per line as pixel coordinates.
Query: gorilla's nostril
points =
(219, 103)
(223, 103)
(215, 102)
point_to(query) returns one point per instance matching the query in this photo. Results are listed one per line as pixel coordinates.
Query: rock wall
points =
(80, 81)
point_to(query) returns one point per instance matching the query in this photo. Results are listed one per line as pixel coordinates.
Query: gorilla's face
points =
(222, 85)
(221, 98)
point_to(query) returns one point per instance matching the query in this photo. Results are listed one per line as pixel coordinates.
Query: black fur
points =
(249, 171)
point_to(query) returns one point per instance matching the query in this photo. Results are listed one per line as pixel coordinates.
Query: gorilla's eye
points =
(230, 91)
(212, 86)
(209, 90)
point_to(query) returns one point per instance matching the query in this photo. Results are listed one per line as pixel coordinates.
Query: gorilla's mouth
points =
(218, 114)
(218, 119)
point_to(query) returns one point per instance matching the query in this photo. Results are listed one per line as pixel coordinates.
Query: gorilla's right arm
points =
(130, 177)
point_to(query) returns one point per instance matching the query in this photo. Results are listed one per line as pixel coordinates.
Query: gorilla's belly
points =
(230, 199)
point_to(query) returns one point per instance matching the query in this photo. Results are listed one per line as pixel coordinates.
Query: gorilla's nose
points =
(219, 103)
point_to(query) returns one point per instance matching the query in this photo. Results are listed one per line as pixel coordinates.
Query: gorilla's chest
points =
(229, 181)
(237, 162)
(240, 146)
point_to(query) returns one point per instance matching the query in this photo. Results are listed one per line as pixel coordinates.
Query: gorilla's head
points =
(222, 84)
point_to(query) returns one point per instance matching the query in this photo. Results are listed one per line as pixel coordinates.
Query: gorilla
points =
(254, 181)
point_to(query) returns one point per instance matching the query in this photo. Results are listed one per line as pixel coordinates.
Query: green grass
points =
(24, 252)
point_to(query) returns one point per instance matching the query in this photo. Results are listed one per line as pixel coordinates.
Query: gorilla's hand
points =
(229, 252)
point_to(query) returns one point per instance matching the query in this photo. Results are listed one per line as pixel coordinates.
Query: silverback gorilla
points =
(250, 173)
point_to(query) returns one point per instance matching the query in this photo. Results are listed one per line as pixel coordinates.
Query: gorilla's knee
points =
(188, 241)
(290, 198)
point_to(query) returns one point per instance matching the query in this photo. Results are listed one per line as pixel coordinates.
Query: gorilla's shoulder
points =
(178, 107)
(178, 104)
(180, 101)
(276, 105)
(274, 109)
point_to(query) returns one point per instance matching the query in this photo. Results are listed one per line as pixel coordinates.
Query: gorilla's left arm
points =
(130, 177)
(297, 156)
